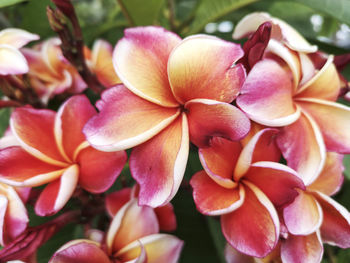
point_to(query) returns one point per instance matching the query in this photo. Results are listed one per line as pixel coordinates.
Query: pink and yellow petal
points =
(304, 216)
(302, 248)
(126, 120)
(277, 181)
(129, 224)
(159, 248)
(102, 64)
(99, 170)
(80, 250)
(12, 62)
(166, 217)
(19, 168)
(68, 128)
(303, 147)
(234, 256)
(324, 85)
(261, 147)
(268, 102)
(219, 160)
(16, 37)
(213, 199)
(210, 118)
(331, 177)
(334, 122)
(243, 228)
(140, 60)
(117, 200)
(335, 228)
(34, 129)
(15, 218)
(158, 165)
(57, 193)
(196, 73)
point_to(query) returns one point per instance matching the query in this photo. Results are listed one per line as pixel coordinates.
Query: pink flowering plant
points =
(174, 131)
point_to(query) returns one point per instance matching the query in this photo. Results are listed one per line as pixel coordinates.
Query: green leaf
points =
(209, 11)
(346, 163)
(137, 16)
(218, 238)
(4, 120)
(339, 9)
(4, 3)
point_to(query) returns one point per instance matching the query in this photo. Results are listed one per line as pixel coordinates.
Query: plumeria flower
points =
(99, 60)
(53, 151)
(49, 71)
(313, 218)
(298, 90)
(8, 139)
(165, 214)
(242, 185)
(133, 236)
(12, 61)
(175, 91)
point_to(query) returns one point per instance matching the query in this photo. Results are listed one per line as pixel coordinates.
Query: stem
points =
(171, 7)
(72, 42)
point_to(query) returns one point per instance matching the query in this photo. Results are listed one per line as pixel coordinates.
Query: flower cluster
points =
(264, 118)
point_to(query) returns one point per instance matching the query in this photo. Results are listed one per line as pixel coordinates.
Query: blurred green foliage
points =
(323, 22)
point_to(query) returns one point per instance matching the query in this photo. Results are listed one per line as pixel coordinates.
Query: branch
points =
(72, 40)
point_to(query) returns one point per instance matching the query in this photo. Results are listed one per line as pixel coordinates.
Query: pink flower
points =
(49, 71)
(99, 60)
(295, 90)
(11, 59)
(242, 185)
(173, 94)
(53, 151)
(133, 236)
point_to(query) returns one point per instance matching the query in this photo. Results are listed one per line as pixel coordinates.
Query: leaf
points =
(4, 3)
(346, 163)
(209, 11)
(141, 13)
(339, 9)
(4, 120)
(218, 238)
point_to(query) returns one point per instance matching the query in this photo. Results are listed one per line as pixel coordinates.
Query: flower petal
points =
(233, 256)
(129, 224)
(302, 249)
(325, 84)
(261, 147)
(99, 170)
(117, 200)
(34, 129)
(268, 102)
(195, 72)
(304, 216)
(166, 217)
(103, 64)
(80, 250)
(57, 193)
(213, 199)
(159, 248)
(276, 180)
(16, 37)
(333, 120)
(140, 59)
(219, 160)
(158, 165)
(19, 168)
(12, 62)
(68, 128)
(331, 177)
(16, 217)
(209, 118)
(254, 228)
(302, 146)
(335, 229)
(125, 120)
